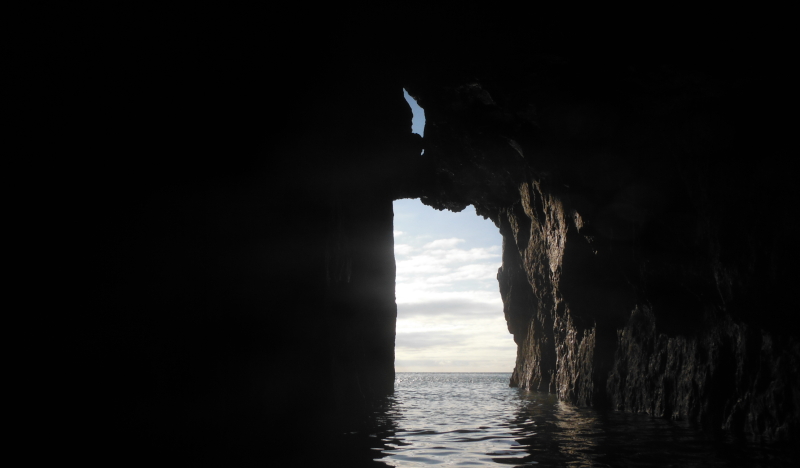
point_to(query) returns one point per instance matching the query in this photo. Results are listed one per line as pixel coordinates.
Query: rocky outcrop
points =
(638, 273)
(728, 377)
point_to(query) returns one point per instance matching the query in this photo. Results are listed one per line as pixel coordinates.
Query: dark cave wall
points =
(234, 202)
(239, 237)
(360, 302)
(633, 193)
(645, 292)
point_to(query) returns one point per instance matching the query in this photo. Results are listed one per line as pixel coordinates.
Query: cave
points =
(239, 217)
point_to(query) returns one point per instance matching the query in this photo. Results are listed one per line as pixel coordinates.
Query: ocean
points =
(476, 419)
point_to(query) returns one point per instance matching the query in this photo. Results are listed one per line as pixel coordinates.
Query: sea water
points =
(476, 419)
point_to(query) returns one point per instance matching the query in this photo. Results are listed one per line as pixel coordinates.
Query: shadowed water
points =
(477, 420)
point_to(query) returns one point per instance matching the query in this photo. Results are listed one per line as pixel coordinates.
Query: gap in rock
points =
(449, 310)
(418, 121)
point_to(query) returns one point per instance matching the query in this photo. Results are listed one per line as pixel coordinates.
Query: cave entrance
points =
(449, 310)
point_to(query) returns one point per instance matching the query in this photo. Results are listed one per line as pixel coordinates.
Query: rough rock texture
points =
(642, 270)
(728, 377)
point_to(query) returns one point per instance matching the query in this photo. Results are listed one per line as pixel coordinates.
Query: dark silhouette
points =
(237, 173)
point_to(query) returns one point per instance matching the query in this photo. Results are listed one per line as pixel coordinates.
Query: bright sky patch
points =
(450, 316)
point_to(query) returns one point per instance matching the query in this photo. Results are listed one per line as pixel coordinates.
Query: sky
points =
(449, 311)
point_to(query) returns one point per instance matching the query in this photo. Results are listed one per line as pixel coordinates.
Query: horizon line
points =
(442, 372)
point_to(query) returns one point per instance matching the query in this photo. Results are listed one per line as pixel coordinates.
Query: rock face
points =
(638, 272)
(237, 223)
(236, 207)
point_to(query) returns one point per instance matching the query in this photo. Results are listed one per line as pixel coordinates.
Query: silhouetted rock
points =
(238, 213)
(633, 192)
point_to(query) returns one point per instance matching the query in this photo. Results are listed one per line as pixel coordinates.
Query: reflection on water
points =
(477, 420)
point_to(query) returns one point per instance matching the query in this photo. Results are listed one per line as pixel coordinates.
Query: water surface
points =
(459, 419)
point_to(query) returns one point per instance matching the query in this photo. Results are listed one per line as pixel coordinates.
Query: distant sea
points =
(476, 419)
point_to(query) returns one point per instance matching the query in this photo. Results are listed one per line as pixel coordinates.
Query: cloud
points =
(447, 338)
(454, 308)
(453, 255)
(454, 365)
(402, 249)
(454, 328)
(446, 265)
(473, 271)
(440, 276)
(430, 339)
(450, 315)
(419, 291)
(438, 363)
(443, 243)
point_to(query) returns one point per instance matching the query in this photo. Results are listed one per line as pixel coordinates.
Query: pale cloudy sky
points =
(449, 312)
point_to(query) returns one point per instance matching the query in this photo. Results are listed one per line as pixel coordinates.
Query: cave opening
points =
(449, 310)
(418, 115)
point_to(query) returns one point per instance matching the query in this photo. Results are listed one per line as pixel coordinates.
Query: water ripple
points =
(477, 420)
